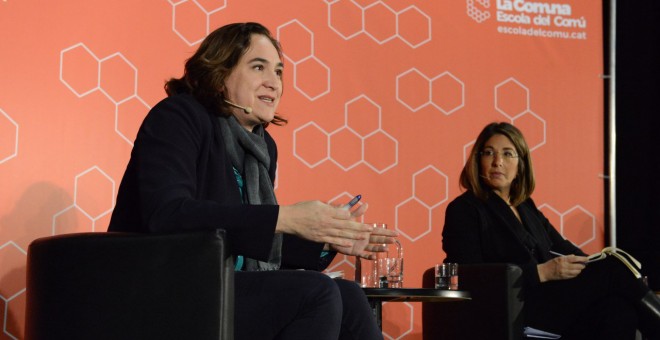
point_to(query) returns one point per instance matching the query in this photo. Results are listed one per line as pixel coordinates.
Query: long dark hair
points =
(206, 71)
(524, 183)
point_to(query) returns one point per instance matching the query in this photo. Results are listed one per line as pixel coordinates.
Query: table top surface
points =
(416, 294)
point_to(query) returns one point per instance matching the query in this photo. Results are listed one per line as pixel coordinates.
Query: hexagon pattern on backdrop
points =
(384, 99)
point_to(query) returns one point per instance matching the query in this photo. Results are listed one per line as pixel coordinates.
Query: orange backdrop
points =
(384, 99)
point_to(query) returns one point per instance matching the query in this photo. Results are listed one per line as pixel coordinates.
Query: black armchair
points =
(130, 286)
(495, 311)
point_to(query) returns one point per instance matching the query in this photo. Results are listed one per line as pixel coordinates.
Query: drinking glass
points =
(390, 272)
(446, 276)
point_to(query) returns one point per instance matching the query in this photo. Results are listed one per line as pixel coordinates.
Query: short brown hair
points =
(206, 71)
(524, 183)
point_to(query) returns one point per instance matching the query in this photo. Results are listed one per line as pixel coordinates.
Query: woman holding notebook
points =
(496, 221)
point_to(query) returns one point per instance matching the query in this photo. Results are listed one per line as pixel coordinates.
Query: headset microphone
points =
(246, 109)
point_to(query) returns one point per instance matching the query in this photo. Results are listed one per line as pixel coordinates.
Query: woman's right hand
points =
(320, 222)
(562, 268)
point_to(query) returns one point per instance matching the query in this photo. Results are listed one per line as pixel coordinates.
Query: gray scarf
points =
(248, 153)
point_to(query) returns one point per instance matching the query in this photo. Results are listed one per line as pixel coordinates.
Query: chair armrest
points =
(130, 286)
(495, 311)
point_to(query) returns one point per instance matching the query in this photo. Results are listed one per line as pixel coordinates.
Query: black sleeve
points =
(461, 236)
(167, 185)
(474, 236)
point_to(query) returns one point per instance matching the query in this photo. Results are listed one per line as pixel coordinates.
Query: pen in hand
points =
(560, 254)
(556, 253)
(353, 202)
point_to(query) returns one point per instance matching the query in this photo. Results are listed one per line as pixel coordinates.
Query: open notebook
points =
(622, 256)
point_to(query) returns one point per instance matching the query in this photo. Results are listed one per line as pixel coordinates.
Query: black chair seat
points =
(495, 311)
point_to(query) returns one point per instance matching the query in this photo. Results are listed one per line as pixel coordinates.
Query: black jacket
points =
(478, 231)
(180, 178)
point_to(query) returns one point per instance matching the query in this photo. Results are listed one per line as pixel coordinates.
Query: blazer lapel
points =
(508, 223)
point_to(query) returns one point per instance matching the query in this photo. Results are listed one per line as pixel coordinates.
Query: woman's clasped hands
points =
(335, 226)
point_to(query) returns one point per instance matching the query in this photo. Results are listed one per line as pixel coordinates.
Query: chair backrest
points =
(130, 286)
(494, 312)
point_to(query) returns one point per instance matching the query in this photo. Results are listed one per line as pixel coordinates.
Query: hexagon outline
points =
(396, 22)
(396, 151)
(544, 127)
(65, 210)
(429, 226)
(15, 138)
(17, 293)
(311, 38)
(98, 70)
(117, 131)
(7, 300)
(549, 207)
(398, 98)
(75, 192)
(295, 77)
(345, 125)
(443, 175)
(98, 86)
(365, 31)
(593, 223)
(561, 219)
(211, 11)
(378, 107)
(295, 154)
(339, 263)
(174, 29)
(447, 113)
(12, 243)
(527, 96)
(428, 21)
(410, 322)
(361, 149)
(135, 79)
(330, 3)
(6, 312)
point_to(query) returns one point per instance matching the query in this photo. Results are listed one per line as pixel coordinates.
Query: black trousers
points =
(597, 304)
(295, 304)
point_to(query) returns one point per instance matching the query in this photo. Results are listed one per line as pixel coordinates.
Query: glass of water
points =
(390, 272)
(446, 276)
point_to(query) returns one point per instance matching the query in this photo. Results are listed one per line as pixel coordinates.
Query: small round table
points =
(377, 296)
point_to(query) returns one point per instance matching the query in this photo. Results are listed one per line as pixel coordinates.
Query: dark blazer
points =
(479, 231)
(180, 178)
